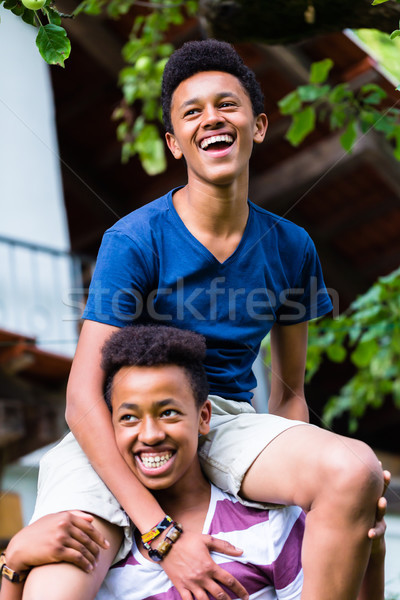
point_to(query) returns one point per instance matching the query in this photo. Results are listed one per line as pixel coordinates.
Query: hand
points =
(193, 572)
(59, 537)
(376, 533)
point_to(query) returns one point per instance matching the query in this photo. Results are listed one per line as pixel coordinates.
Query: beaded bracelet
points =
(162, 550)
(155, 531)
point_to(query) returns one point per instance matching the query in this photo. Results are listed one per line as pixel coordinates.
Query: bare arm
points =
(67, 536)
(373, 585)
(288, 359)
(89, 419)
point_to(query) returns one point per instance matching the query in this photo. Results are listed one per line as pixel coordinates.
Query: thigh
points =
(305, 462)
(63, 581)
(237, 437)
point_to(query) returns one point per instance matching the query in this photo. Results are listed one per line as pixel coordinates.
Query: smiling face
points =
(157, 423)
(214, 127)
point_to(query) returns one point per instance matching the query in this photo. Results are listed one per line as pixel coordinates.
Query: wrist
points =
(12, 569)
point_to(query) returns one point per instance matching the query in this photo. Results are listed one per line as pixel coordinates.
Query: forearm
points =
(11, 591)
(293, 407)
(288, 359)
(89, 418)
(373, 585)
(92, 424)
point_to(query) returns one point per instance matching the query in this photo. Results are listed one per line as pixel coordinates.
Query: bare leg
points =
(63, 581)
(338, 481)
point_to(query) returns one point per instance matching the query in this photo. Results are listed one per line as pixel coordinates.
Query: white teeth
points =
(153, 462)
(214, 139)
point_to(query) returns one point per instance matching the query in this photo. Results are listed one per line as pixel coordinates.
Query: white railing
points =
(42, 293)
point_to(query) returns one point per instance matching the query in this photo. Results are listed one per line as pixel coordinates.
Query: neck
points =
(219, 210)
(186, 500)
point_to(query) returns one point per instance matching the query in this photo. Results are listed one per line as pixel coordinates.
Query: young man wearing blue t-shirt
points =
(205, 258)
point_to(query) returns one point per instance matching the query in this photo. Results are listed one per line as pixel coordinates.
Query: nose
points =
(211, 117)
(151, 432)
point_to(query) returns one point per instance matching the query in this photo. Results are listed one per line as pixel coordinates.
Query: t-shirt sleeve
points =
(287, 531)
(308, 298)
(119, 284)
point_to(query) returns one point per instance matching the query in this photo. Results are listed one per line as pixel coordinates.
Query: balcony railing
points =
(42, 293)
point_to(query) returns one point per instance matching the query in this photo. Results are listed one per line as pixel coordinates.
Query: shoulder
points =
(143, 221)
(281, 227)
(274, 227)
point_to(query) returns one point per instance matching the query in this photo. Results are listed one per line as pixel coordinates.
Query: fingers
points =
(222, 546)
(380, 526)
(78, 557)
(82, 515)
(212, 587)
(386, 480)
(230, 582)
(77, 541)
(86, 526)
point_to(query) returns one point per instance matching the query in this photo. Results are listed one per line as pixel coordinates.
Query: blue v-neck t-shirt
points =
(151, 269)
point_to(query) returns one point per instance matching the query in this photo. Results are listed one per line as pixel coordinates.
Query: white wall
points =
(392, 564)
(31, 198)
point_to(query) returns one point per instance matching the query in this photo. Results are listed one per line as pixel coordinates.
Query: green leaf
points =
(338, 117)
(396, 134)
(336, 353)
(310, 93)
(19, 10)
(155, 162)
(394, 34)
(372, 93)
(320, 70)
(340, 92)
(348, 138)
(364, 353)
(290, 103)
(53, 15)
(10, 4)
(376, 2)
(53, 44)
(29, 17)
(303, 124)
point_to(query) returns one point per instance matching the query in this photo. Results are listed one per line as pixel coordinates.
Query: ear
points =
(260, 128)
(204, 418)
(173, 145)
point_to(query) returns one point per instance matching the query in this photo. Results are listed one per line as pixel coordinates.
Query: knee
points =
(353, 471)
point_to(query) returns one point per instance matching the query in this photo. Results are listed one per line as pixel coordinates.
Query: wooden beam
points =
(286, 22)
(306, 168)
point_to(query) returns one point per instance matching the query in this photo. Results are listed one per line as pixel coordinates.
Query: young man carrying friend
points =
(204, 258)
(157, 391)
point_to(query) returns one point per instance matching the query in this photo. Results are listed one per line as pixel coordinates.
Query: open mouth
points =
(217, 142)
(154, 461)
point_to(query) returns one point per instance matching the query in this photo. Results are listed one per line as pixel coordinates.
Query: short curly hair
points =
(153, 345)
(206, 55)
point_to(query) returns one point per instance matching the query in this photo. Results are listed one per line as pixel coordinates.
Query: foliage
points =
(145, 54)
(52, 40)
(384, 48)
(346, 109)
(368, 334)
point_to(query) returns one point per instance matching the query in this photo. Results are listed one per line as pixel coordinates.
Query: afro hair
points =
(206, 55)
(153, 345)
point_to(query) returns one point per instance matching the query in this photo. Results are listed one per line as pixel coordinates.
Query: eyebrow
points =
(133, 406)
(220, 95)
